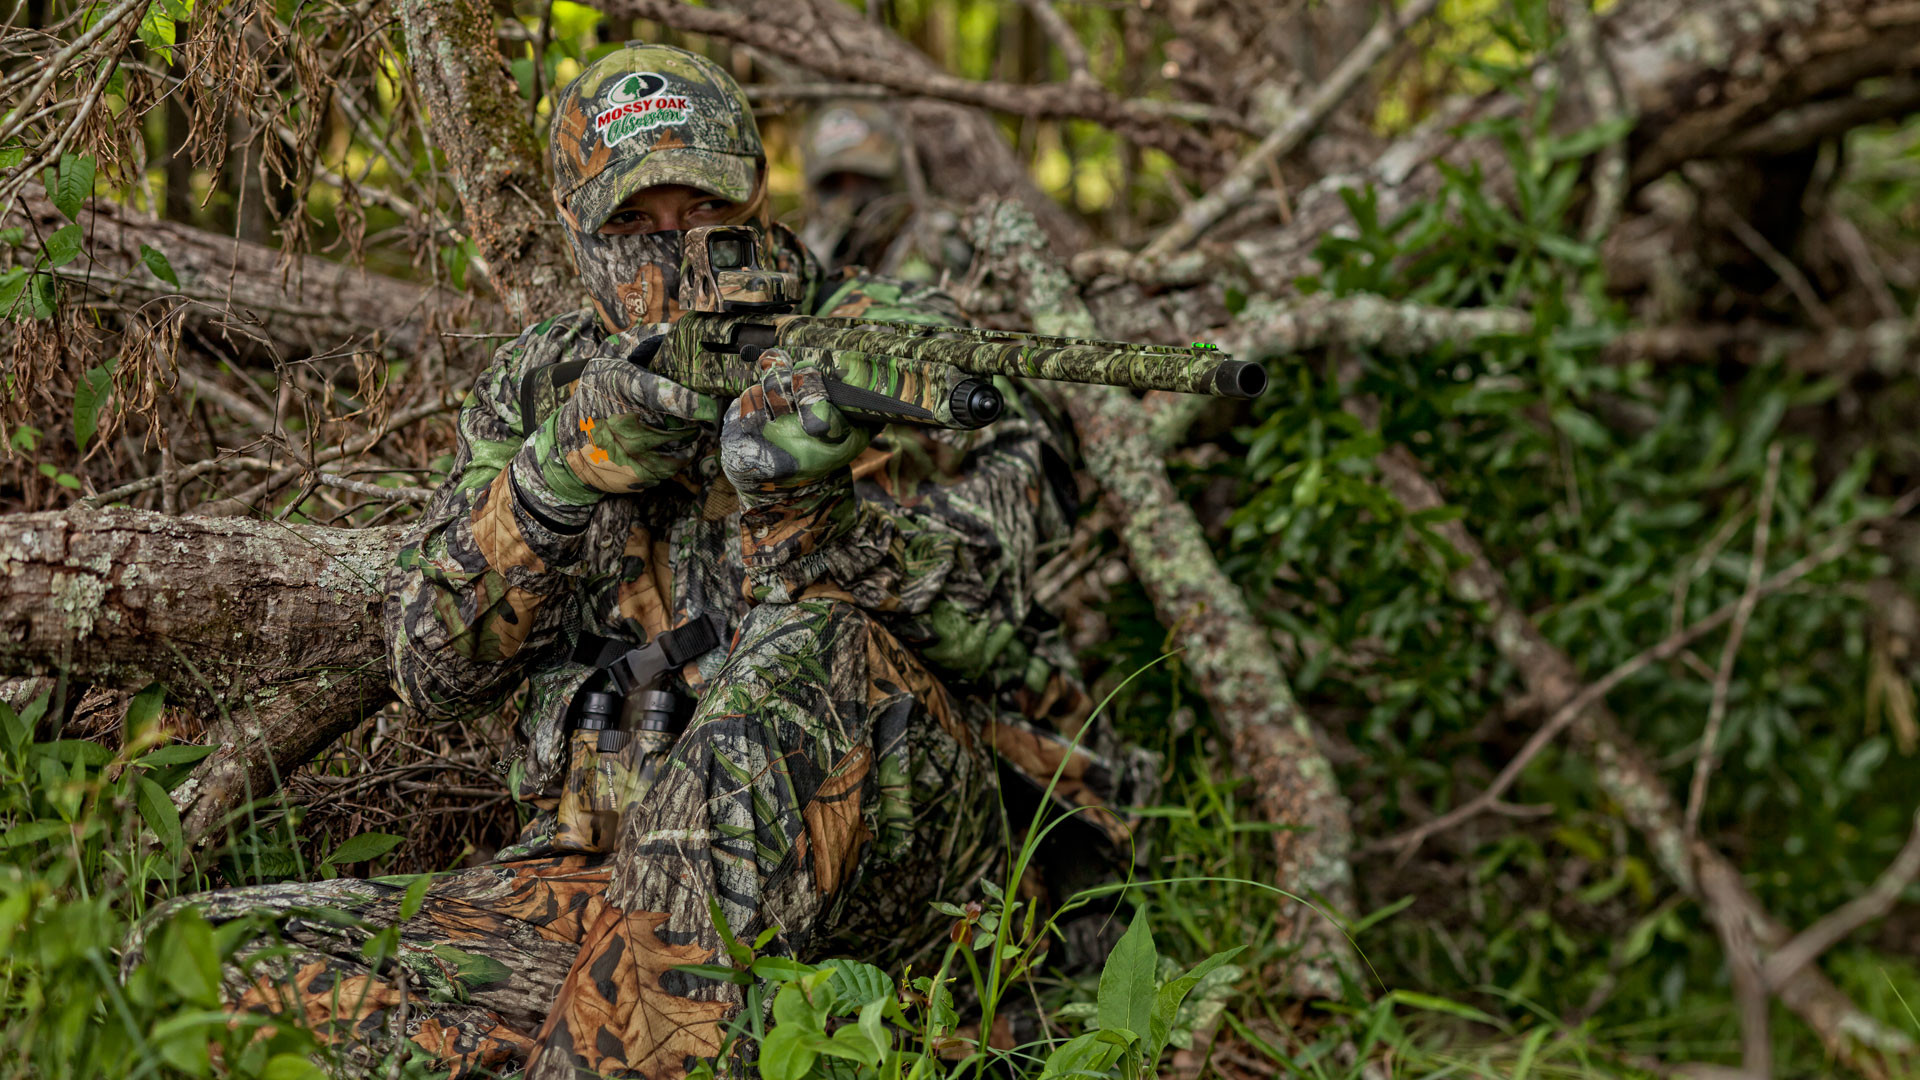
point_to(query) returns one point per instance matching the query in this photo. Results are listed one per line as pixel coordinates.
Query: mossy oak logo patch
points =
(635, 104)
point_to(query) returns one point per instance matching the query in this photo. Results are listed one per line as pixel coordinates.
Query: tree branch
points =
(1141, 122)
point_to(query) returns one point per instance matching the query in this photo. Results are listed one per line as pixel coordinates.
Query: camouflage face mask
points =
(632, 279)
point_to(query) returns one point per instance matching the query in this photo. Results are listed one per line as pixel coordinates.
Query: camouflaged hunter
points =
(851, 610)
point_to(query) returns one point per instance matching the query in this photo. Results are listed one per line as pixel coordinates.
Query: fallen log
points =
(274, 629)
(237, 291)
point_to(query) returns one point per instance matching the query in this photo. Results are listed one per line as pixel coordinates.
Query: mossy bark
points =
(273, 628)
(1229, 655)
(480, 122)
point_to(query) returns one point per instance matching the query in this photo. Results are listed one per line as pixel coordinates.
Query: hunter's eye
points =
(627, 221)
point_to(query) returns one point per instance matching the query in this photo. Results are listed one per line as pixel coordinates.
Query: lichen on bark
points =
(1226, 651)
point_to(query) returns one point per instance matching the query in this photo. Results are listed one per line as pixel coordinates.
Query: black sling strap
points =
(642, 668)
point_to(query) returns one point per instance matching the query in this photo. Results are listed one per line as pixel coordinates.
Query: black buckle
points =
(643, 668)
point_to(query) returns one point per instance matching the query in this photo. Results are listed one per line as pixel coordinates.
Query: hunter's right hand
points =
(623, 430)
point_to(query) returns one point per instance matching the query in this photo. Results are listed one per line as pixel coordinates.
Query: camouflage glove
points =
(786, 449)
(623, 430)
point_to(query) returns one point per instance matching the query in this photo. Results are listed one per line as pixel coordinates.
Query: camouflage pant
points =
(827, 786)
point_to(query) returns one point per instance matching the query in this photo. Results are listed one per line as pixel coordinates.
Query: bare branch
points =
(1288, 134)
(1836, 925)
(1145, 124)
(1723, 675)
(1720, 893)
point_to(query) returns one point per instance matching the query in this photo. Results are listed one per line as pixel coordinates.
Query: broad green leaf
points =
(187, 960)
(416, 895)
(291, 1067)
(63, 246)
(159, 813)
(157, 262)
(43, 296)
(89, 397)
(1166, 1005)
(1126, 982)
(75, 750)
(1092, 1054)
(12, 156)
(853, 1043)
(14, 733)
(363, 848)
(855, 984)
(32, 832)
(12, 284)
(144, 709)
(793, 1006)
(177, 754)
(786, 1055)
(70, 185)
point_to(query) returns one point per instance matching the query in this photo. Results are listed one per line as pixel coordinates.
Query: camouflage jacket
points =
(950, 528)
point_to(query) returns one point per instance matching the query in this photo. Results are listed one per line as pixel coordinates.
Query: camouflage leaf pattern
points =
(785, 448)
(835, 779)
(645, 115)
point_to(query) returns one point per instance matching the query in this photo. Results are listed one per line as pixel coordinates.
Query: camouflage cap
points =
(647, 115)
(852, 136)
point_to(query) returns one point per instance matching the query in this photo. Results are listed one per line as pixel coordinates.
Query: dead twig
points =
(1723, 675)
(1287, 135)
(1161, 125)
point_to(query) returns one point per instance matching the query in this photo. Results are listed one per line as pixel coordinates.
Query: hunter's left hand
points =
(782, 437)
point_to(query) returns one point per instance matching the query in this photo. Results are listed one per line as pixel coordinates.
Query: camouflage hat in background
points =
(853, 136)
(647, 115)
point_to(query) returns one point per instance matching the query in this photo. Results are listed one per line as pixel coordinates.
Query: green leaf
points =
(14, 733)
(1091, 1054)
(855, 984)
(177, 754)
(1166, 1005)
(75, 751)
(786, 1055)
(852, 1043)
(291, 1067)
(12, 284)
(362, 848)
(157, 262)
(31, 833)
(63, 246)
(1430, 1003)
(1126, 982)
(12, 156)
(716, 971)
(89, 396)
(1584, 430)
(738, 953)
(158, 31)
(187, 960)
(144, 709)
(794, 1007)
(781, 969)
(159, 813)
(416, 895)
(71, 184)
(43, 296)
